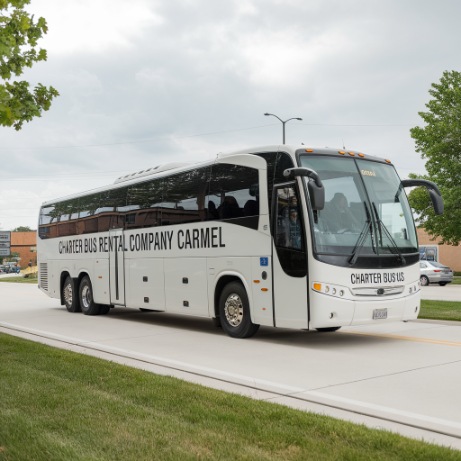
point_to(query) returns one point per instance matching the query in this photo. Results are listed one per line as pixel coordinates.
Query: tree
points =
(439, 142)
(22, 229)
(19, 34)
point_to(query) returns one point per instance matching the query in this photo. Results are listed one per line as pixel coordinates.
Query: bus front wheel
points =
(89, 307)
(69, 296)
(234, 312)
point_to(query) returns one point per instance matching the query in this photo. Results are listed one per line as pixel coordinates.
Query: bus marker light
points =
(264, 289)
(317, 286)
(361, 155)
(352, 154)
(256, 281)
(341, 293)
(341, 152)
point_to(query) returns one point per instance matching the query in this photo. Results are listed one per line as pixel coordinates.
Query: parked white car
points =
(435, 272)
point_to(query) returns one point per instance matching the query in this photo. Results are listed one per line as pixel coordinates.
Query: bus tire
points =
(327, 329)
(70, 295)
(234, 312)
(89, 307)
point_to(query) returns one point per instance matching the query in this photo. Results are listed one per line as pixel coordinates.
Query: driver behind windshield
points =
(341, 217)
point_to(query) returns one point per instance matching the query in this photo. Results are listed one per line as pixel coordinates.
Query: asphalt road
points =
(402, 377)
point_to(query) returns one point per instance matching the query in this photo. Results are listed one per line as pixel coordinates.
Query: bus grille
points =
(44, 276)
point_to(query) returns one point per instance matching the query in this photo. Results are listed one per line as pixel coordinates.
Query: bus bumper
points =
(329, 311)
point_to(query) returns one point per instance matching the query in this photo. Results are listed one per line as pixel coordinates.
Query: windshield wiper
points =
(382, 227)
(366, 229)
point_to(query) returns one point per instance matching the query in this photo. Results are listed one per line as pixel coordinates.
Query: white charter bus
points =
(285, 236)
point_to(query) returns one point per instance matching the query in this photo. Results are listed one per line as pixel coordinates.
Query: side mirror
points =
(434, 192)
(314, 185)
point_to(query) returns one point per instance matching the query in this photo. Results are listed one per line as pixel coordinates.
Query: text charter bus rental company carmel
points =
(284, 236)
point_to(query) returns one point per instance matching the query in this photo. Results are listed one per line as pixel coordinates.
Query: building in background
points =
(432, 250)
(24, 247)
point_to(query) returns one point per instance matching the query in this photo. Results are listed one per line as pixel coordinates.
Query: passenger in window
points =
(342, 217)
(294, 229)
(212, 210)
(229, 208)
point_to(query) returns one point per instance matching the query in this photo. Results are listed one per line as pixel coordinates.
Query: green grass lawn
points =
(59, 405)
(440, 310)
(19, 279)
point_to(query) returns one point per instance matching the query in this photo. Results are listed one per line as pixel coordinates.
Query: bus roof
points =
(178, 167)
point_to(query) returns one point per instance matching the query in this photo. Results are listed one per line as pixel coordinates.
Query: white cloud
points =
(94, 26)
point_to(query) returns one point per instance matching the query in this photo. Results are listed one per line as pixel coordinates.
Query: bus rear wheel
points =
(234, 312)
(89, 307)
(69, 296)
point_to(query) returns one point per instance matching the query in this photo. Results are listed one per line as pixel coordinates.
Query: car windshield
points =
(366, 210)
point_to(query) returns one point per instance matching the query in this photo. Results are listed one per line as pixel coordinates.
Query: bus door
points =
(289, 258)
(117, 266)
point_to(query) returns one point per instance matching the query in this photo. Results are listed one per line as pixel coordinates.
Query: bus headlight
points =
(329, 289)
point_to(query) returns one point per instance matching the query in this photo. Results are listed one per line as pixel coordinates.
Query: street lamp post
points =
(283, 122)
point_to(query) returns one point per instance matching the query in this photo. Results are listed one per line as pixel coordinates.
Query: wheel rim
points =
(233, 310)
(86, 296)
(68, 294)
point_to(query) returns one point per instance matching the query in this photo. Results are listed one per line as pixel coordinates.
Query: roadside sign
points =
(5, 242)
(5, 236)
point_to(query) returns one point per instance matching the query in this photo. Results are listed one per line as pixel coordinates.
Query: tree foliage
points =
(19, 35)
(439, 142)
(22, 229)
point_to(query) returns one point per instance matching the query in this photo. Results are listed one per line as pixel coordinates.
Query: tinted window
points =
(234, 192)
(47, 214)
(184, 197)
(111, 209)
(88, 205)
(277, 163)
(288, 231)
(144, 204)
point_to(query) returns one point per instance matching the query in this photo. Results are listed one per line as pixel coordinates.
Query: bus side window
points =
(288, 231)
(234, 192)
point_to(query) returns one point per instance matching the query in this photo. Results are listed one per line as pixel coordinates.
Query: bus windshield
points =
(366, 210)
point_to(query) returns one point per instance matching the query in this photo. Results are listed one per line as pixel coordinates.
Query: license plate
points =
(379, 314)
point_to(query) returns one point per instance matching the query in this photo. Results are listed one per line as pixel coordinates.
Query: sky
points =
(148, 82)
